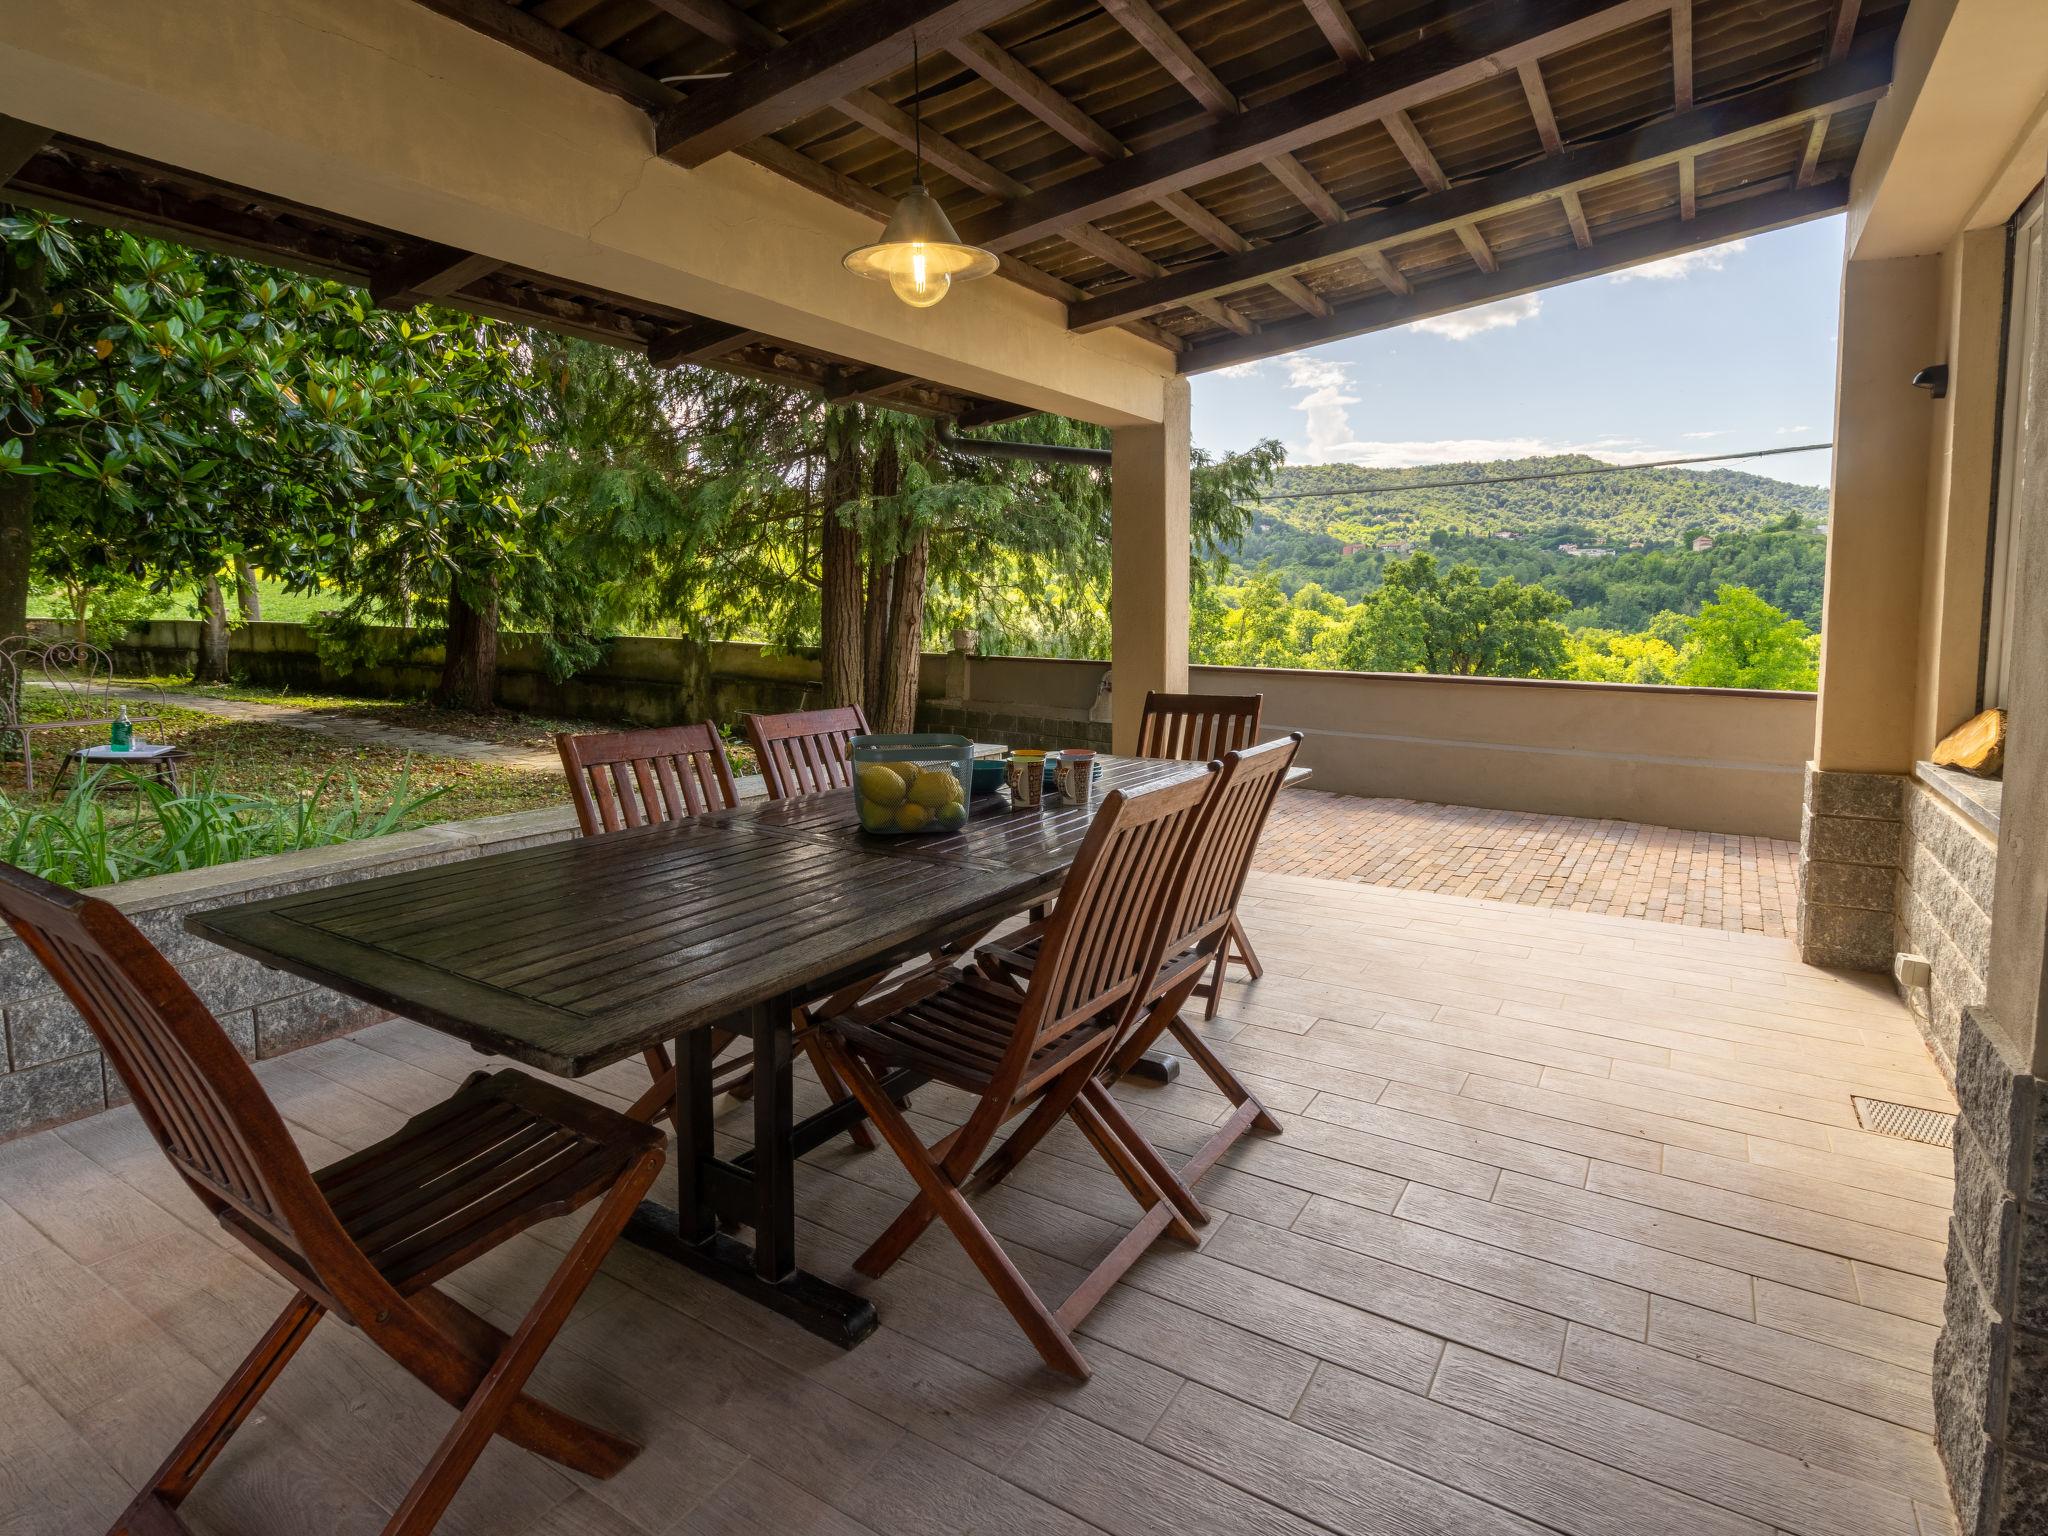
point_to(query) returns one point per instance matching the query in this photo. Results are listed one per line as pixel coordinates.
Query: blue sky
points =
(1715, 351)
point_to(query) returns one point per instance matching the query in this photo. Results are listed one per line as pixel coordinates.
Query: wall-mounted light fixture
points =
(919, 256)
(1933, 379)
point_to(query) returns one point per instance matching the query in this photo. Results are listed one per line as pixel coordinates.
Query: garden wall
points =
(53, 1067)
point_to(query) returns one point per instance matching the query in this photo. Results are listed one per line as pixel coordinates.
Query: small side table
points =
(158, 762)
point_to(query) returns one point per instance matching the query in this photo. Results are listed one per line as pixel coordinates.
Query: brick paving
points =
(1619, 868)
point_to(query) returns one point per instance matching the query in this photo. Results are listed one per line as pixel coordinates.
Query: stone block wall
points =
(1991, 1360)
(53, 1071)
(1942, 911)
(1849, 845)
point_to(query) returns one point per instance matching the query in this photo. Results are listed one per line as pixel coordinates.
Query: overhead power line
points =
(1546, 474)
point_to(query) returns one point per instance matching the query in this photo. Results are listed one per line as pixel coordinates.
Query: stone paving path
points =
(363, 730)
(1621, 868)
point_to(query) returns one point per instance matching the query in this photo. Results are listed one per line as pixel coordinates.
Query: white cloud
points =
(1464, 324)
(1677, 268)
(1248, 370)
(1701, 436)
(1788, 431)
(1324, 385)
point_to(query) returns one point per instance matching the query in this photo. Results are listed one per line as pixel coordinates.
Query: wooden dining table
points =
(571, 956)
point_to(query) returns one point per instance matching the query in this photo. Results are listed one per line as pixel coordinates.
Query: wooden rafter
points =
(1382, 266)
(1726, 221)
(1016, 80)
(1842, 32)
(1492, 39)
(1408, 139)
(703, 342)
(435, 273)
(1538, 93)
(1681, 54)
(1689, 185)
(1338, 30)
(1575, 215)
(1861, 78)
(842, 54)
(1152, 33)
(1809, 160)
(19, 144)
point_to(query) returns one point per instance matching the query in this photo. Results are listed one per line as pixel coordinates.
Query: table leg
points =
(696, 1210)
(774, 1158)
(761, 1188)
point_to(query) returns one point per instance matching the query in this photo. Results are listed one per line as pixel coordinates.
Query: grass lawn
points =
(279, 606)
(253, 757)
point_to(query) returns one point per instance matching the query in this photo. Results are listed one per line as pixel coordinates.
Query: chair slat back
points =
(1198, 727)
(1105, 931)
(1219, 854)
(806, 752)
(194, 1091)
(622, 779)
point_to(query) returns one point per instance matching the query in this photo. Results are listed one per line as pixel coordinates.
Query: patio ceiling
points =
(1240, 178)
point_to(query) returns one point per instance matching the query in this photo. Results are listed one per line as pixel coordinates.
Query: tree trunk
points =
(875, 635)
(898, 707)
(213, 634)
(839, 599)
(18, 492)
(469, 675)
(245, 591)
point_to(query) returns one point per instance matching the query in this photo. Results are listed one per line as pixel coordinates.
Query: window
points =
(2022, 328)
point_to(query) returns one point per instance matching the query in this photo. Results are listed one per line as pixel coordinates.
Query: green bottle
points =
(122, 738)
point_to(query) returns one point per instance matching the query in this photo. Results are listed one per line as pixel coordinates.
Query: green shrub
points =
(91, 837)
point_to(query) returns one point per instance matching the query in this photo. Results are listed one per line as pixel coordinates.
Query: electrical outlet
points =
(1912, 972)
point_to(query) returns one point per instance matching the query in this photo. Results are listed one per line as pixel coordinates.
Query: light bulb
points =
(923, 283)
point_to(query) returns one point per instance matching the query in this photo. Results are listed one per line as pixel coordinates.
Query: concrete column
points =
(1869, 667)
(1148, 605)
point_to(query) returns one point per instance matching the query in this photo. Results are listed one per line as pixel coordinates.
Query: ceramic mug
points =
(1075, 775)
(1027, 778)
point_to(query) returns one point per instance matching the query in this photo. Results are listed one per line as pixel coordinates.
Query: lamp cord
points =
(916, 112)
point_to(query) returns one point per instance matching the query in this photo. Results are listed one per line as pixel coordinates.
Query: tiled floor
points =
(1570, 1229)
(1702, 879)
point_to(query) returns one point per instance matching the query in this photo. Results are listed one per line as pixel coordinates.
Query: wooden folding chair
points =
(368, 1237)
(806, 752)
(1199, 727)
(625, 779)
(1204, 895)
(1035, 1050)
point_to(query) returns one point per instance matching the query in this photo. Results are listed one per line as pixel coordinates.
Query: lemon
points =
(876, 818)
(934, 788)
(953, 815)
(907, 772)
(880, 783)
(911, 817)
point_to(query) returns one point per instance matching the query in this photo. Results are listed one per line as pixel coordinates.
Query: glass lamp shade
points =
(919, 254)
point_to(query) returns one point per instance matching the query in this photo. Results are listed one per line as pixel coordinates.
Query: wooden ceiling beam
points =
(702, 342)
(557, 49)
(1382, 266)
(1491, 39)
(844, 53)
(1863, 77)
(1689, 186)
(1338, 30)
(435, 273)
(1842, 32)
(1809, 161)
(1575, 215)
(1727, 221)
(1408, 139)
(1173, 54)
(1681, 54)
(1014, 79)
(20, 143)
(722, 23)
(1539, 105)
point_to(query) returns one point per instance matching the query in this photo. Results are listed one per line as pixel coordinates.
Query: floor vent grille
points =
(1904, 1121)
